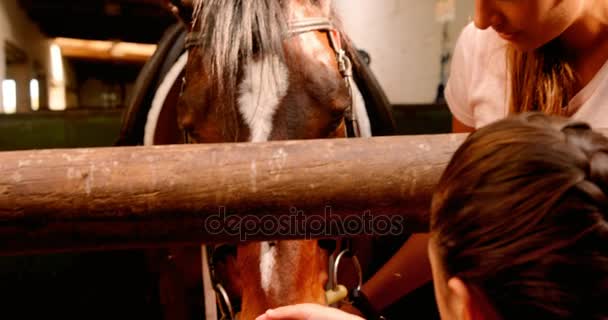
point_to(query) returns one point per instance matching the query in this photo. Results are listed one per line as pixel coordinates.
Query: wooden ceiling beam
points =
(127, 20)
(105, 50)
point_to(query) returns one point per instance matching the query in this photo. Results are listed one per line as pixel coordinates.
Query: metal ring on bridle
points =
(356, 263)
(224, 301)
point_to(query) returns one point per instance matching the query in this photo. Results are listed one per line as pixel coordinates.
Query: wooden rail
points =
(108, 198)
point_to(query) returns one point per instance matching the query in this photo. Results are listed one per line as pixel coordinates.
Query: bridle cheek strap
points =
(345, 66)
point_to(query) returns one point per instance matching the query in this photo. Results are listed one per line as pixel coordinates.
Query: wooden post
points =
(135, 197)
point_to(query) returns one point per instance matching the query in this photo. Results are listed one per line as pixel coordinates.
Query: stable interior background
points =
(53, 97)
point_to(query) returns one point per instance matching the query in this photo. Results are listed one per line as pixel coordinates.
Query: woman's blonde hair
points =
(541, 80)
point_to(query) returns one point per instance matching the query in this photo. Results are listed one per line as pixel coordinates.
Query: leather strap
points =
(361, 302)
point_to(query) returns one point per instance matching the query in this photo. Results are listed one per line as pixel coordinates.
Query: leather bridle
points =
(345, 66)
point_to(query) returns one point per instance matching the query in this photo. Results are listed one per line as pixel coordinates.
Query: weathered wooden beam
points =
(107, 198)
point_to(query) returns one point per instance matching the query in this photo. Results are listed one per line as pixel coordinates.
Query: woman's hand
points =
(307, 311)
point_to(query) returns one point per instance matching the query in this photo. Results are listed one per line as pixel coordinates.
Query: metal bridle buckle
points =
(336, 265)
(345, 66)
(223, 303)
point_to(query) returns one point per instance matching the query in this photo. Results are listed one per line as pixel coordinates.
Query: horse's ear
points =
(182, 9)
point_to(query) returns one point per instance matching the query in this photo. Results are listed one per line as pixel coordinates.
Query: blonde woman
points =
(524, 55)
(517, 55)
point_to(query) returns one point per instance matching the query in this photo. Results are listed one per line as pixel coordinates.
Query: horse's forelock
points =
(231, 32)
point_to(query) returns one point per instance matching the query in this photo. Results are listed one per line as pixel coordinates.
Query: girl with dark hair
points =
(519, 226)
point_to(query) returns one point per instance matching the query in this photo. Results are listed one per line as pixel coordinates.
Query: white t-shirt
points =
(478, 88)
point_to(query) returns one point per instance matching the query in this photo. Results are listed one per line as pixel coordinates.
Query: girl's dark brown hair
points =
(541, 80)
(520, 215)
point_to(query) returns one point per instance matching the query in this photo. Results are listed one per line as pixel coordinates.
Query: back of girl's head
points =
(520, 215)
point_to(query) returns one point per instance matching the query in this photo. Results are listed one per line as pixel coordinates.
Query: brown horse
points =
(258, 71)
(267, 70)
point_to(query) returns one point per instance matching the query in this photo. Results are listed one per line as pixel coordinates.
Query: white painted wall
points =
(404, 41)
(16, 27)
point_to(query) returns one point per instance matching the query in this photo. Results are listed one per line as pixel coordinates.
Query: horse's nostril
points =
(187, 123)
(189, 132)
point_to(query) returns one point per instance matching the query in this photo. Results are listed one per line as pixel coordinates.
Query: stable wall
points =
(69, 129)
(16, 27)
(404, 41)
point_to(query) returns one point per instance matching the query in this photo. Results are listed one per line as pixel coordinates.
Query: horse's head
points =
(267, 70)
(262, 70)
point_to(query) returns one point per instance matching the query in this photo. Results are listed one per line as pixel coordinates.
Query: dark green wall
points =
(96, 128)
(70, 129)
(422, 119)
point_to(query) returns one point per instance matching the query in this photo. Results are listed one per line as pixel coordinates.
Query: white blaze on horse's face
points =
(263, 87)
(268, 264)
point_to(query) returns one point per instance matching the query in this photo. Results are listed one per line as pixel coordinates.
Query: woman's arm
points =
(406, 271)
(410, 268)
